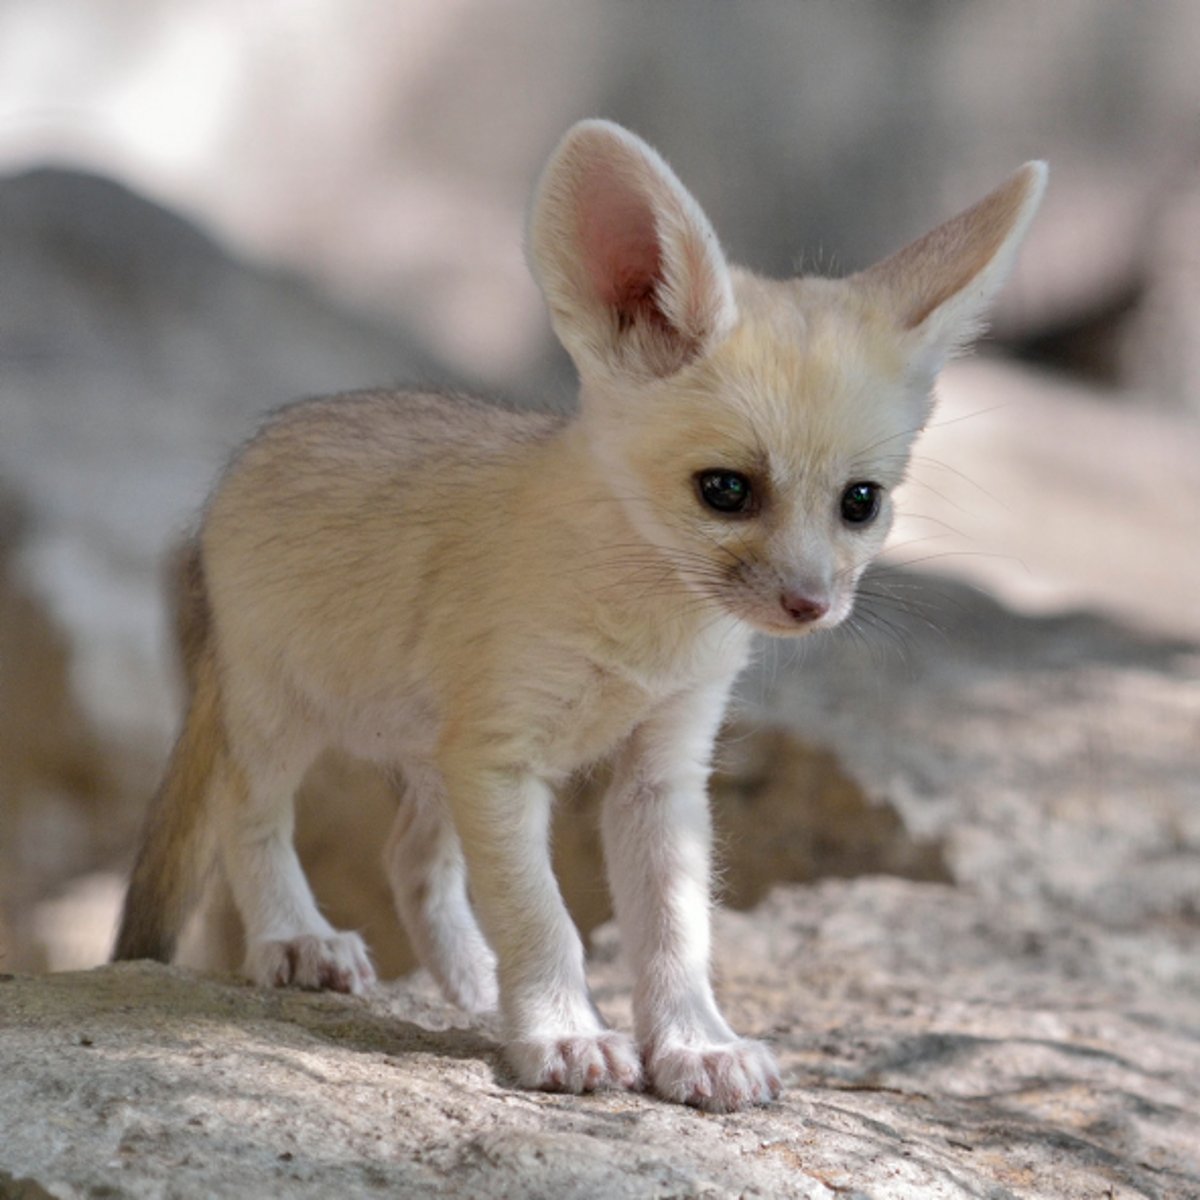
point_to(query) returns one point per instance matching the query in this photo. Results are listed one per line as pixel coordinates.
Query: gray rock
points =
(933, 1046)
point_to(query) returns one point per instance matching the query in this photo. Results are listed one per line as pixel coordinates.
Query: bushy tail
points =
(176, 852)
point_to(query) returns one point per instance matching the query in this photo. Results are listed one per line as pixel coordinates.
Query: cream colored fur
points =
(486, 601)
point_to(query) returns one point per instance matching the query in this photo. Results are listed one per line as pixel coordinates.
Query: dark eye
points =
(725, 491)
(860, 503)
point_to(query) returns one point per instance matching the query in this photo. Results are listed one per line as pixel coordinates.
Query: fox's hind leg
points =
(288, 941)
(424, 864)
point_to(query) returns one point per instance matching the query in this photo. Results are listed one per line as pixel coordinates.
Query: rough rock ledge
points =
(933, 1047)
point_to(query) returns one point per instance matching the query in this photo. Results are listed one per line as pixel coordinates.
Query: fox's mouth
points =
(784, 629)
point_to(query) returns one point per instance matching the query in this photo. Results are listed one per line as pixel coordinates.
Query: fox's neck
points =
(581, 496)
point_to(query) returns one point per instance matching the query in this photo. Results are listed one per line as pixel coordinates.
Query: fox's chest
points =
(596, 715)
(610, 697)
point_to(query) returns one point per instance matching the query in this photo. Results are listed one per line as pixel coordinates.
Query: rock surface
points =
(933, 1047)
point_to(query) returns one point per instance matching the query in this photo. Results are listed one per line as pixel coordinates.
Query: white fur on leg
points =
(657, 839)
(425, 867)
(288, 941)
(554, 1038)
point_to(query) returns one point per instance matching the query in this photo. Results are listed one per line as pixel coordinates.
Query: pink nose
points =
(803, 609)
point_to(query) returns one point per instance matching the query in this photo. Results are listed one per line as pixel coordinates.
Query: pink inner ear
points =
(620, 246)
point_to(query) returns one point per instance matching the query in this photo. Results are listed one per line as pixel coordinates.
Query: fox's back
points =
(337, 518)
(372, 438)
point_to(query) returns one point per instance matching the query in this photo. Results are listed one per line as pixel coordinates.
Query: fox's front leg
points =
(657, 842)
(554, 1038)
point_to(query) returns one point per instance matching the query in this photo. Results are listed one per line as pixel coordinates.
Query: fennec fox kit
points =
(485, 601)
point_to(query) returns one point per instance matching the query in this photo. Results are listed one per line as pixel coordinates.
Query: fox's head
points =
(754, 429)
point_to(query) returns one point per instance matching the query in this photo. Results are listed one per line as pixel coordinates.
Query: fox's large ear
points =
(938, 288)
(630, 267)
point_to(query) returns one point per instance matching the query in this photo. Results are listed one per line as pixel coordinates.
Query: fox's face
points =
(754, 430)
(764, 471)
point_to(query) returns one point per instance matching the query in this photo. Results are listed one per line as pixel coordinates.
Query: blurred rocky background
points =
(210, 207)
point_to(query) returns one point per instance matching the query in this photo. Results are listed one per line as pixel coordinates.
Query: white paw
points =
(337, 963)
(716, 1078)
(576, 1064)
